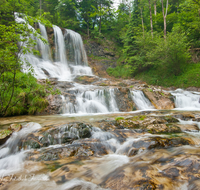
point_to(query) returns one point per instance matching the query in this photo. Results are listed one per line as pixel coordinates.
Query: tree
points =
(151, 20)
(19, 92)
(133, 30)
(164, 12)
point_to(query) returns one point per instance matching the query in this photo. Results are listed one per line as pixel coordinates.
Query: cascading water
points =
(43, 65)
(141, 101)
(76, 54)
(11, 160)
(45, 50)
(91, 101)
(74, 45)
(186, 100)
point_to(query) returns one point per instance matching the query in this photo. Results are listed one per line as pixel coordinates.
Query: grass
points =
(119, 72)
(189, 77)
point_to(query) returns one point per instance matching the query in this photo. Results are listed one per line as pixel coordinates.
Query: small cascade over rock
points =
(91, 101)
(141, 101)
(186, 100)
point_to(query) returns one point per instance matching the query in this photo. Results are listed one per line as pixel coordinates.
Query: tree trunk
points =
(100, 25)
(151, 21)
(88, 30)
(142, 22)
(155, 10)
(40, 6)
(164, 18)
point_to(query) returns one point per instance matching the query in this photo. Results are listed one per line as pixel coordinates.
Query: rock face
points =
(55, 105)
(124, 100)
(160, 99)
(86, 79)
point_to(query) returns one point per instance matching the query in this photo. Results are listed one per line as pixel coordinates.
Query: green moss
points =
(149, 89)
(140, 117)
(118, 118)
(103, 84)
(54, 166)
(4, 133)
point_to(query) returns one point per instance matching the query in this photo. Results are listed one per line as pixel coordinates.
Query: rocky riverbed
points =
(138, 150)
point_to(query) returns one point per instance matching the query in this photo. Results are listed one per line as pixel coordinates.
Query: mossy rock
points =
(4, 135)
(163, 128)
(171, 119)
(15, 127)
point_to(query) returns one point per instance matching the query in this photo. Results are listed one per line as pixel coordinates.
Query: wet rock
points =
(150, 124)
(86, 79)
(196, 119)
(52, 135)
(160, 99)
(45, 72)
(160, 142)
(82, 148)
(124, 100)
(15, 127)
(55, 105)
(163, 128)
(188, 127)
(170, 119)
(109, 125)
(185, 116)
(5, 135)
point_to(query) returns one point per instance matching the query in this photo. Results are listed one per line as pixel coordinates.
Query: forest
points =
(157, 42)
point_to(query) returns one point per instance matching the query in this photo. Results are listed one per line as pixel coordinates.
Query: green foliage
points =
(158, 76)
(19, 92)
(172, 54)
(120, 71)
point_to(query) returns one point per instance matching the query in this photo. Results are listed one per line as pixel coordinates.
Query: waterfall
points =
(76, 51)
(68, 46)
(141, 101)
(186, 100)
(76, 54)
(60, 55)
(91, 101)
(45, 50)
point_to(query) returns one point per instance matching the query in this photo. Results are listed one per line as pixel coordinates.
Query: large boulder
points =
(159, 98)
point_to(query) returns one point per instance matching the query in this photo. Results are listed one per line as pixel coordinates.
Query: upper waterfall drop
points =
(45, 49)
(76, 55)
(64, 59)
(75, 49)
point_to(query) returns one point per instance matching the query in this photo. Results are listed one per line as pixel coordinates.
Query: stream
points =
(103, 136)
